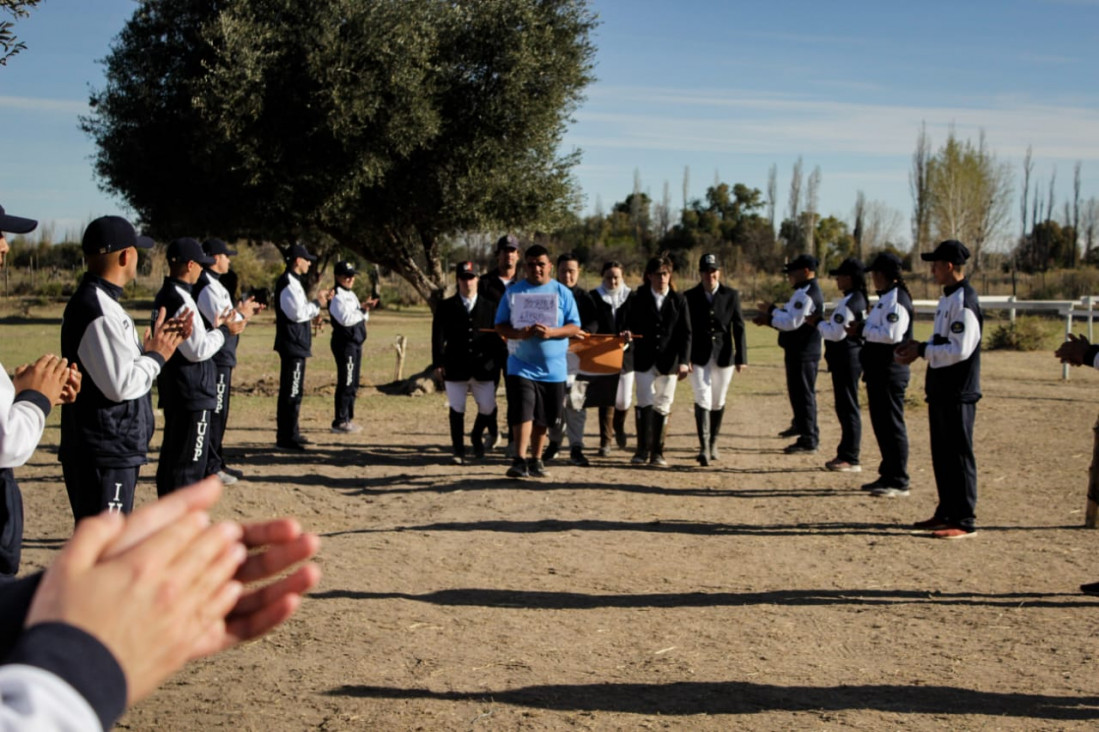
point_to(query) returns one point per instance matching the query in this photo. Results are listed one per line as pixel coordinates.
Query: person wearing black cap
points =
(492, 286)
(953, 387)
(888, 324)
(213, 300)
(25, 402)
(105, 432)
(841, 353)
(187, 383)
(662, 355)
(800, 342)
(348, 316)
(466, 358)
(294, 314)
(568, 274)
(718, 348)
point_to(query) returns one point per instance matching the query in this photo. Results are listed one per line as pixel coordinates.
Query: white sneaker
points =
(347, 428)
(226, 478)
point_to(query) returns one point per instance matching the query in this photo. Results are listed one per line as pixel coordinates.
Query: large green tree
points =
(386, 125)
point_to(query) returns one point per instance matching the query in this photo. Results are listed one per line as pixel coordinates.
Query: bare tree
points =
(969, 193)
(917, 183)
(993, 198)
(635, 206)
(664, 211)
(1028, 168)
(812, 204)
(1052, 185)
(1090, 222)
(881, 224)
(795, 192)
(857, 229)
(772, 195)
(1075, 212)
(686, 185)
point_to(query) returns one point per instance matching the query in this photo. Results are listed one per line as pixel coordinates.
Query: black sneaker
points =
(1092, 588)
(518, 469)
(536, 468)
(290, 446)
(874, 485)
(576, 457)
(799, 449)
(552, 448)
(788, 432)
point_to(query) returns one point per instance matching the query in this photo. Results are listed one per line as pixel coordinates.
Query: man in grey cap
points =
(105, 432)
(186, 384)
(214, 300)
(801, 344)
(294, 314)
(953, 387)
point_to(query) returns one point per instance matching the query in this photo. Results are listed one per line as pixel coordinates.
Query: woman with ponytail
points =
(842, 344)
(888, 324)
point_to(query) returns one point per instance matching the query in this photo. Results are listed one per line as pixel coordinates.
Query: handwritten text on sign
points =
(528, 308)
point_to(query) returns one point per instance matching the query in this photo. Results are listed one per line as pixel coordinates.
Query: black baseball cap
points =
(708, 263)
(344, 268)
(214, 247)
(112, 234)
(16, 224)
(467, 270)
(186, 249)
(299, 250)
(950, 250)
(802, 261)
(849, 266)
(888, 263)
(507, 241)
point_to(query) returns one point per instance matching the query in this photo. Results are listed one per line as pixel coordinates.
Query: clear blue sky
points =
(725, 89)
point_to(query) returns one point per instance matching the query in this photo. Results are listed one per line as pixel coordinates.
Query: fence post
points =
(1091, 304)
(1068, 332)
(1011, 310)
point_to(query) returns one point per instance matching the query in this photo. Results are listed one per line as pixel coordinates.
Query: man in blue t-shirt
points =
(537, 316)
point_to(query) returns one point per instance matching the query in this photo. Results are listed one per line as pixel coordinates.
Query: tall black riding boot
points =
(716, 415)
(477, 435)
(620, 428)
(457, 428)
(656, 456)
(702, 426)
(644, 417)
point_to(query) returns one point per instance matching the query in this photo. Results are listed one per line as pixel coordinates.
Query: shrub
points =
(1025, 334)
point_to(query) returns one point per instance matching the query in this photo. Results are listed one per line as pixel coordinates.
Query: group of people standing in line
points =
(485, 331)
(130, 599)
(665, 336)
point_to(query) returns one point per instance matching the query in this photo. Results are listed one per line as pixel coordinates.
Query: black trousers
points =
(843, 364)
(291, 384)
(219, 418)
(951, 426)
(11, 524)
(885, 393)
(184, 451)
(348, 361)
(93, 490)
(801, 385)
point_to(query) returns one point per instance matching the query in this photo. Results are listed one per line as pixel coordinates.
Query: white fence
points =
(1065, 308)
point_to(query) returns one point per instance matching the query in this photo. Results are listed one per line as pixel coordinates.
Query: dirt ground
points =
(762, 593)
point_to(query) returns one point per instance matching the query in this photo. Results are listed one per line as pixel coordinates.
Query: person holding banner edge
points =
(537, 316)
